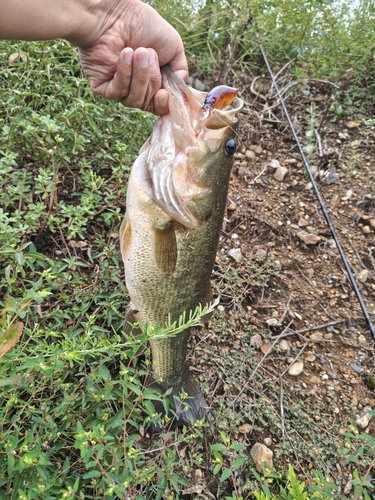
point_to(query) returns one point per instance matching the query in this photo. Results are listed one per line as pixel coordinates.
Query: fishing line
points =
(315, 187)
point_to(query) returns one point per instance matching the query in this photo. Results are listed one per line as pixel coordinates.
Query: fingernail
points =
(128, 57)
(143, 59)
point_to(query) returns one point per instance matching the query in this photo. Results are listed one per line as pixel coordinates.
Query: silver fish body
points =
(174, 211)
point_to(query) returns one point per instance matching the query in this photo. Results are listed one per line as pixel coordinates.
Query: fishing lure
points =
(220, 97)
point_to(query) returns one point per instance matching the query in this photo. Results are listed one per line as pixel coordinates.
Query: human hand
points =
(121, 58)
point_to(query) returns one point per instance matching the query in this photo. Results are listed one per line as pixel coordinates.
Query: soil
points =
(305, 310)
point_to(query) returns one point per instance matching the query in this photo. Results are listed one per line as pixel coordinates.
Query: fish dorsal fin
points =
(165, 248)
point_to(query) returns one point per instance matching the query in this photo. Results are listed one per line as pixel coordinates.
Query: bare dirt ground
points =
(288, 302)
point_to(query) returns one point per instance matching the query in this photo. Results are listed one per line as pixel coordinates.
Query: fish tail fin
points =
(186, 404)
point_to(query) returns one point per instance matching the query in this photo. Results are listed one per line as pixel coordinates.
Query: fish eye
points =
(230, 147)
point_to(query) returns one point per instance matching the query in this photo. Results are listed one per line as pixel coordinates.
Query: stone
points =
(256, 341)
(274, 164)
(372, 223)
(302, 223)
(310, 358)
(331, 178)
(280, 173)
(363, 275)
(250, 154)
(316, 336)
(235, 254)
(362, 339)
(355, 368)
(308, 238)
(352, 124)
(267, 441)
(266, 348)
(328, 336)
(245, 428)
(366, 229)
(284, 345)
(296, 369)
(364, 419)
(272, 322)
(348, 195)
(262, 457)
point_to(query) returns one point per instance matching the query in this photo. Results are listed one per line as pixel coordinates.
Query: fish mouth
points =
(185, 152)
(190, 116)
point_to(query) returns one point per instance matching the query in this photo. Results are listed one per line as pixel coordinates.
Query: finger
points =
(118, 88)
(146, 80)
(161, 102)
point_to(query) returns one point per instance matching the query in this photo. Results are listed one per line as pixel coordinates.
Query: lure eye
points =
(230, 147)
(213, 101)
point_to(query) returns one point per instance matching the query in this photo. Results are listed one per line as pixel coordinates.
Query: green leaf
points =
(238, 462)
(225, 474)
(218, 447)
(91, 474)
(217, 468)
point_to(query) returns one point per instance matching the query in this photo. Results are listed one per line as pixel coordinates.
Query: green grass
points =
(73, 405)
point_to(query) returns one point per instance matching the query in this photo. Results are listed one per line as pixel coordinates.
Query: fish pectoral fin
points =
(125, 236)
(165, 248)
(209, 299)
(130, 320)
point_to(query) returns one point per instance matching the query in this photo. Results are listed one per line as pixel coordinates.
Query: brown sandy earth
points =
(288, 301)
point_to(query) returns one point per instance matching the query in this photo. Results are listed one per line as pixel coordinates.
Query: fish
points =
(175, 204)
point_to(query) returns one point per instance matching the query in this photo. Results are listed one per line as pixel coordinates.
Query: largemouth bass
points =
(174, 211)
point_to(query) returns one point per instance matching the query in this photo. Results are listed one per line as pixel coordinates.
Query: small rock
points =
(324, 376)
(308, 238)
(363, 275)
(310, 358)
(272, 322)
(372, 223)
(262, 457)
(220, 308)
(356, 368)
(366, 229)
(352, 124)
(258, 149)
(331, 178)
(290, 161)
(348, 195)
(302, 223)
(329, 329)
(364, 420)
(308, 186)
(267, 441)
(328, 336)
(266, 348)
(316, 336)
(280, 173)
(284, 345)
(235, 254)
(261, 254)
(274, 164)
(362, 339)
(250, 154)
(245, 428)
(296, 369)
(232, 207)
(256, 341)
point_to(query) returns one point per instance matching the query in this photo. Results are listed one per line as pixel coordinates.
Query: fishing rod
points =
(315, 187)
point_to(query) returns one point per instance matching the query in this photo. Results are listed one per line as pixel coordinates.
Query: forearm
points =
(74, 20)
